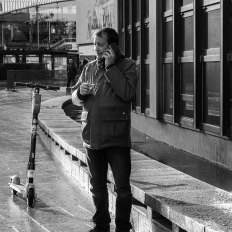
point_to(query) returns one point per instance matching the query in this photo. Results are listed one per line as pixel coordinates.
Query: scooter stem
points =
(36, 102)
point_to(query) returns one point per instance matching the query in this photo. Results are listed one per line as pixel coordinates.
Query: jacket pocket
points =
(115, 123)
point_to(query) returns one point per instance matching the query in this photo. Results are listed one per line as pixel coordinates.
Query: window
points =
(211, 67)
(196, 48)
(185, 60)
(134, 39)
(9, 59)
(32, 59)
(167, 76)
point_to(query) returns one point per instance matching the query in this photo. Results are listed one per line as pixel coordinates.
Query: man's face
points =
(100, 45)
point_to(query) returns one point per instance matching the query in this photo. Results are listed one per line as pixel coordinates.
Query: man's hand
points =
(86, 89)
(110, 56)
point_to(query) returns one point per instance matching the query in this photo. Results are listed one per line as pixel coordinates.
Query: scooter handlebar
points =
(34, 85)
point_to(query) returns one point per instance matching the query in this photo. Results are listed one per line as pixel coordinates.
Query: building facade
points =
(183, 55)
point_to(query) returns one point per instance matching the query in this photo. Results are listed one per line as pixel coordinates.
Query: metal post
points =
(2, 34)
(37, 19)
(49, 31)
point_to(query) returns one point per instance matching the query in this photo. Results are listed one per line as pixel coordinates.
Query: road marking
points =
(15, 229)
(11, 226)
(37, 223)
(88, 225)
(31, 218)
(67, 211)
(85, 209)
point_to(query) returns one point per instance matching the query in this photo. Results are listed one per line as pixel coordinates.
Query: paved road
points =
(62, 205)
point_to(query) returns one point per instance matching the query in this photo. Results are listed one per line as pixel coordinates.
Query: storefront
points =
(55, 61)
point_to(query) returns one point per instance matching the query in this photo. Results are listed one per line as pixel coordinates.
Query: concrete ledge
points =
(165, 199)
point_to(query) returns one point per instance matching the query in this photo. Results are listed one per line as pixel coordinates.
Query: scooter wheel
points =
(31, 198)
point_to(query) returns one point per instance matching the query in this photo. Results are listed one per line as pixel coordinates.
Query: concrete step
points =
(169, 200)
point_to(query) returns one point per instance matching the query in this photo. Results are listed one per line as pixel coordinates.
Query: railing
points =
(63, 41)
(48, 77)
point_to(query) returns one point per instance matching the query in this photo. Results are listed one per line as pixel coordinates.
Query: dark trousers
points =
(71, 79)
(120, 162)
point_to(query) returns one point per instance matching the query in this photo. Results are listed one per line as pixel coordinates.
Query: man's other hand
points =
(86, 89)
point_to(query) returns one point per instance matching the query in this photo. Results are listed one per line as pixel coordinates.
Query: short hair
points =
(112, 35)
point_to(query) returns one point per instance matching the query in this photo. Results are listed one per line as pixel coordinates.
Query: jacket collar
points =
(119, 55)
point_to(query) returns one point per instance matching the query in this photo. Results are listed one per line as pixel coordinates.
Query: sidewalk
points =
(62, 205)
(165, 198)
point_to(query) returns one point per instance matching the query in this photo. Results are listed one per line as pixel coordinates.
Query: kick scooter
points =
(27, 191)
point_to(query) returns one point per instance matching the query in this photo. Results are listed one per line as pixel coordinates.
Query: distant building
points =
(39, 31)
(10, 5)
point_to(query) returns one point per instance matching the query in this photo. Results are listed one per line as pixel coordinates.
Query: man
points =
(72, 72)
(106, 88)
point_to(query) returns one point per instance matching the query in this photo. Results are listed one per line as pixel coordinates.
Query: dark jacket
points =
(106, 119)
(72, 70)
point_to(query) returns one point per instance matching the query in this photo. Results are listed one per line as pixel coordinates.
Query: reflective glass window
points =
(168, 88)
(32, 59)
(187, 78)
(187, 88)
(147, 86)
(167, 5)
(168, 36)
(212, 93)
(47, 59)
(187, 34)
(212, 29)
(187, 108)
(9, 59)
(185, 2)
